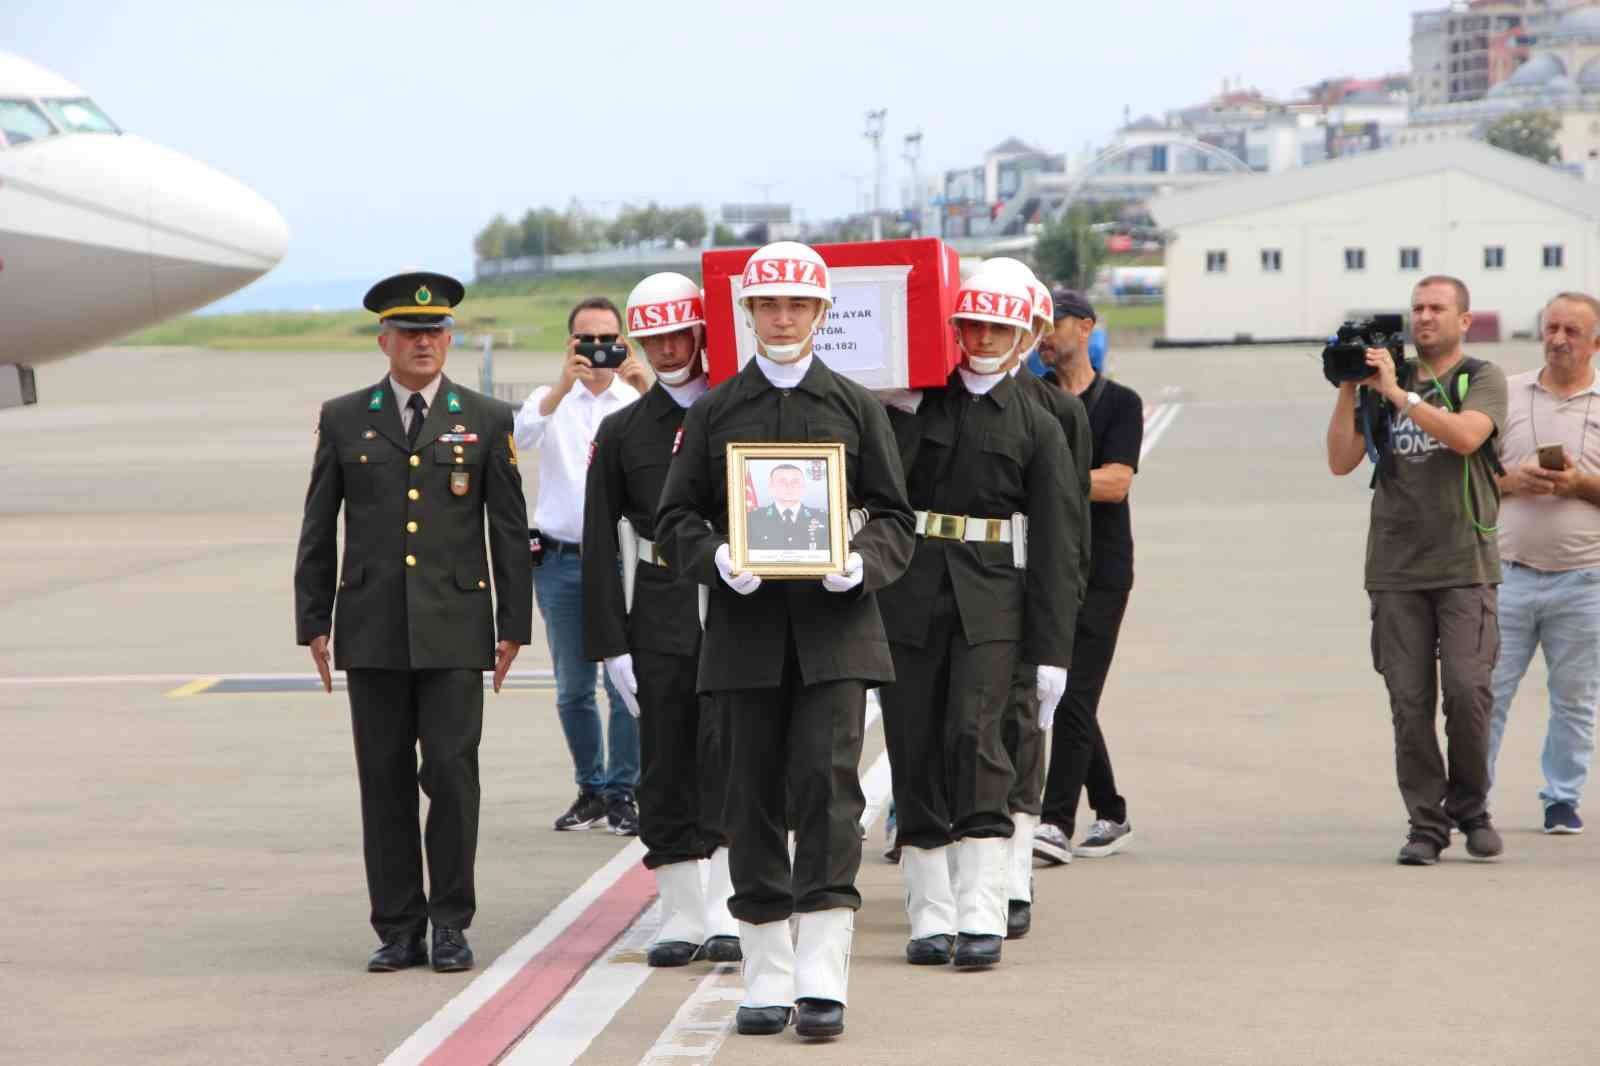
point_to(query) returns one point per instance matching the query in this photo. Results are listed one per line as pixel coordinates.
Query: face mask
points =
(986, 365)
(679, 376)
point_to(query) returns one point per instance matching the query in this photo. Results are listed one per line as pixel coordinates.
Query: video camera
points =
(1345, 356)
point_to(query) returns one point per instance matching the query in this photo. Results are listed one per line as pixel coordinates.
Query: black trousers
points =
(796, 751)
(1423, 642)
(683, 771)
(392, 712)
(942, 726)
(1024, 742)
(1078, 756)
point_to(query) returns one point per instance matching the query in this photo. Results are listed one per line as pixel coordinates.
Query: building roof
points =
(1014, 146)
(1249, 193)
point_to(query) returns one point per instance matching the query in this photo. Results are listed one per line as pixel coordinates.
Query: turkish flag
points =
(749, 493)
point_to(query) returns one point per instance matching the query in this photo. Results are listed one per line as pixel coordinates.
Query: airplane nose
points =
(210, 234)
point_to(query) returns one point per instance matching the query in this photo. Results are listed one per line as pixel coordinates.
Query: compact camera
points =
(603, 356)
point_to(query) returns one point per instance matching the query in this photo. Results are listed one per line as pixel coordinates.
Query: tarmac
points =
(181, 846)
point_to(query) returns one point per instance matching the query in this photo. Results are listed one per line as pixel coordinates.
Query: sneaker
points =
(1051, 844)
(1562, 818)
(1482, 840)
(622, 816)
(1418, 851)
(585, 811)
(1105, 838)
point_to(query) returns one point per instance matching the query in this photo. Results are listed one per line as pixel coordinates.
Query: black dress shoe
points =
(401, 953)
(1019, 919)
(818, 1019)
(450, 951)
(723, 949)
(761, 1021)
(929, 950)
(972, 951)
(672, 953)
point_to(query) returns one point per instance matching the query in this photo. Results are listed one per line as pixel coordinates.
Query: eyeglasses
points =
(595, 338)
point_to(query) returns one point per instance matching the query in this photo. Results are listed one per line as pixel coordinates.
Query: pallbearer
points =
(984, 471)
(641, 617)
(789, 661)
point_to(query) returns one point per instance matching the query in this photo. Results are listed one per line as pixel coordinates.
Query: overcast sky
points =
(388, 133)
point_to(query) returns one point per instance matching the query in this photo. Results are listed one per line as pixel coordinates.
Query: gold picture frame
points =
(787, 477)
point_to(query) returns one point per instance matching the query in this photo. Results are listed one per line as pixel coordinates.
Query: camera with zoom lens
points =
(603, 356)
(1345, 357)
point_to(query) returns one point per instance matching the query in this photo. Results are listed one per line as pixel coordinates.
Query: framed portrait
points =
(786, 509)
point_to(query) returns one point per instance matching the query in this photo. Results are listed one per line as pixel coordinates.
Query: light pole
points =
(875, 135)
(913, 150)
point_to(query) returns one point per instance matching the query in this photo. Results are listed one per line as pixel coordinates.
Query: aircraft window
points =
(80, 116)
(21, 122)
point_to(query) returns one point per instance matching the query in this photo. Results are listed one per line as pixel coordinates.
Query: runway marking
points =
(192, 688)
(527, 956)
(1157, 421)
(696, 1033)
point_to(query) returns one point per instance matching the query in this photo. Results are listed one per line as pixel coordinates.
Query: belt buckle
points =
(947, 526)
(991, 531)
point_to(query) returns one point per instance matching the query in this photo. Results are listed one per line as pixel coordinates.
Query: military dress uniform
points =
(959, 621)
(790, 664)
(1024, 740)
(413, 620)
(683, 772)
(768, 527)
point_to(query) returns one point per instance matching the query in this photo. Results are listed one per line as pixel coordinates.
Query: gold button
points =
(415, 461)
(459, 459)
(363, 458)
(411, 527)
(411, 560)
(483, 584)
(459, 449)
(413, 494)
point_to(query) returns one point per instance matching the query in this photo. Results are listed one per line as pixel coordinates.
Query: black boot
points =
(929, 950)
(1019, 919)
(672, 953)
(818, 1019)
(723, 949)
(975, 951)
(761, 1021)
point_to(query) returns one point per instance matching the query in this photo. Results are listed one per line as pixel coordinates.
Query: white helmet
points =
(1043, 309)
(786, 268)
(998, 297)
(664, 303)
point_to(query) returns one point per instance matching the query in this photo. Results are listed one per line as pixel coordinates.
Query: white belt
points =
(648, 553)
(963, 527)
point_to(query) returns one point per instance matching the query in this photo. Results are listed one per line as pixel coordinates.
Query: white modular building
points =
(1295, 253)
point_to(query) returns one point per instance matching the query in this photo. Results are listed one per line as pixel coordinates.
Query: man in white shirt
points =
(560, 421)
(1550, 551)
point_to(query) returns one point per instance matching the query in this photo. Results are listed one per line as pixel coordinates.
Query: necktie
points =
(788, 516)
(415, 403)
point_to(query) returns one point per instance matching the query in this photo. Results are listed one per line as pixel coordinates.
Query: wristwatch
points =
(1412, 399)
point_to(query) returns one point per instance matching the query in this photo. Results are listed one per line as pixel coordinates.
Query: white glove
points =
(1051, 687)
(849, 579)
(907, 400)
(742, 583)
(619, 668)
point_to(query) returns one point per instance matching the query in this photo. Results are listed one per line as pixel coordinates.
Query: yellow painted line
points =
(192, 688)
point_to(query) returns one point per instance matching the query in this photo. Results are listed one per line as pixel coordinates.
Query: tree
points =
(1527, 133)
(723, 236)
(1068, 251)
(497, 240)
(687, 224)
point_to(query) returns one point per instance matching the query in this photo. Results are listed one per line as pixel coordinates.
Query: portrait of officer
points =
(433, 590)
(787, 522)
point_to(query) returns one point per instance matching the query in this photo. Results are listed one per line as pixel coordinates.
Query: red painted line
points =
(507, 1015)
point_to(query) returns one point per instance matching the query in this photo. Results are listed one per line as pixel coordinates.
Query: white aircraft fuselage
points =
(103, 233)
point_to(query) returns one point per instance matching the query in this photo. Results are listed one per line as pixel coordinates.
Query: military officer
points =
(423, 469)
(648, 634)
(985, 471)
(787, 522)
(790, 661)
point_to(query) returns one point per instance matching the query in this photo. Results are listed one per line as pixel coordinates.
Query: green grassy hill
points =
(532, 312)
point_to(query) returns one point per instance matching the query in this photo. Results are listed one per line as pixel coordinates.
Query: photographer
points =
(561, 422)
(1432, 564)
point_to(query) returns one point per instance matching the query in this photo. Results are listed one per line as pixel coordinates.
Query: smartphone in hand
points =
(1553, 456)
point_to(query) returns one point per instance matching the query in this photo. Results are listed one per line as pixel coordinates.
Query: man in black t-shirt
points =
(1078, 756)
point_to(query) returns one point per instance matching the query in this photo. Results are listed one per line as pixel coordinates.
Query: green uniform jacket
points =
(837, 636)
(991, 456)
(414, 591)
(1074, 419)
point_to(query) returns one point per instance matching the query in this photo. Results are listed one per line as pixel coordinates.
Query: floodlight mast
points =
(875, 135)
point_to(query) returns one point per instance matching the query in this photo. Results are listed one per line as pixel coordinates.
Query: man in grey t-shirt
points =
(1432, 564)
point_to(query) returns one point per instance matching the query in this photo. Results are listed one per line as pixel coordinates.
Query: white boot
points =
(982, 867)
(822, 954)
(719, 889)
(769, 962)
(930, 899)
(683, 927)
(1021, 869)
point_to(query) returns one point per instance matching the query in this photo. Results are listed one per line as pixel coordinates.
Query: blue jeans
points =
(558, 588)
(1560, 610)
